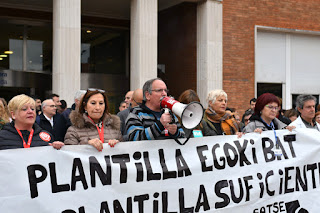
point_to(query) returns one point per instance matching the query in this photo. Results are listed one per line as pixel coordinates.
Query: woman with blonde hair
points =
(23, 132)
(217, 120)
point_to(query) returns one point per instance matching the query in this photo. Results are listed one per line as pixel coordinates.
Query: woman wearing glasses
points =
(264, 116)
(92, 123)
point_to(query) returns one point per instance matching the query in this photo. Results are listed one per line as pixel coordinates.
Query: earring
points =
(86, 112)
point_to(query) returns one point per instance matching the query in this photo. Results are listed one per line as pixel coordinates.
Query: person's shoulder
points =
(297, 122)
(77, 119)
(123, 112)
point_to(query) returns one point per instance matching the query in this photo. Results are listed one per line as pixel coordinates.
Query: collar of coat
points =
(81, 120)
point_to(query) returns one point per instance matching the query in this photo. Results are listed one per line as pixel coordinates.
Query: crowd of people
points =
(29, 122)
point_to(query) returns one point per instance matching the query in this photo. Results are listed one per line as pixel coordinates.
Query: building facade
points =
(245, 47)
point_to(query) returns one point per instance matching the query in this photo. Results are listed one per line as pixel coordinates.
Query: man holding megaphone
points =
(148, 121)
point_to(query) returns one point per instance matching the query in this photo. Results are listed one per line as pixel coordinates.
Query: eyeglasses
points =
(95, 89)
(160, 90)
(52, 106)
(273, 107)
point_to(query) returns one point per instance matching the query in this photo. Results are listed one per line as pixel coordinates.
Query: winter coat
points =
(83, 129)
(57, 131)
(10, 138)
(256, 122)
(142, 124)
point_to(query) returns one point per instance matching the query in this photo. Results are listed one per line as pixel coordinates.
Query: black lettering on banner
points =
(95, 167)
(202, 200)
(81, 210)
(270, 193)
(150, 174)
(233, 196)
(254, 155)
(139, 167)
(287, 177)
(77, 166)
(165, 203)
(241, 149)
(226, 148)
(218, 187)
(289, 139)
(166, 173)
(122, 160)
(267, 149)
(54, 185)
(140, 199)
(248, 187)
(312, 167)
(155, 203)
(34, 180)
(299, 181)
(104, 208)
(216, 164)
(182, 207)
(183, 169)
(117, 208)
(203, 158)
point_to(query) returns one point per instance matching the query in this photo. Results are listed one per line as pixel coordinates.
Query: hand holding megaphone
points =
(166, 121)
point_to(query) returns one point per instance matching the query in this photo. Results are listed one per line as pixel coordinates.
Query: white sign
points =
(209, 174)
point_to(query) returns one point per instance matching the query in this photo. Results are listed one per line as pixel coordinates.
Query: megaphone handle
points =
(188, 137)
(166, 110)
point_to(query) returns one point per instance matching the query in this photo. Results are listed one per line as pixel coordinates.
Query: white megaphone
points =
(190, 114)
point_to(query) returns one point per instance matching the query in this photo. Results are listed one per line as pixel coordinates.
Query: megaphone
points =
(190, 114)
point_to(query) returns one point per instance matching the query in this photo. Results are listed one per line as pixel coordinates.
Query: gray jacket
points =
(258, 124)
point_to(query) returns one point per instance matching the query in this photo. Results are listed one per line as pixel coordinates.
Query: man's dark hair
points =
(253, 100)
(52, 96)
(301, 99)
(147, 87)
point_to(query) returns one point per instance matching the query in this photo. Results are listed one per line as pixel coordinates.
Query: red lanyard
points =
(26, 145)
(100, 131)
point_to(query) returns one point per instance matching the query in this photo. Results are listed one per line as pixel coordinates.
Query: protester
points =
(122, 106)
(317, 117)
(23, 132)
(280, 114)
(4, 118)
(253, 102)
(148, 121)
(292, 114)
(216, 120)
(264, 116)
(92, 123)
(136, 100)
(5, 105)
(63, 106)
(186, 97)
(246, 117)
(38, 105)
(128, 98)
(305, 105)
(49, 119)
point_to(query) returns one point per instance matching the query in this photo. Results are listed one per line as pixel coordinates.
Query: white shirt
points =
(49, 119)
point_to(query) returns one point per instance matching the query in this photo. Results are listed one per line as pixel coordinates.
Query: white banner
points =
(210, 174)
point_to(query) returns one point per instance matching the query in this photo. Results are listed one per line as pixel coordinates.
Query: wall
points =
(239, 20)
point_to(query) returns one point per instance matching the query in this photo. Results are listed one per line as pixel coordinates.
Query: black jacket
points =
(59, 129)
(10, 138)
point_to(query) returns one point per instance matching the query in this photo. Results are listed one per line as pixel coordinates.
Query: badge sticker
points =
(45, 136)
